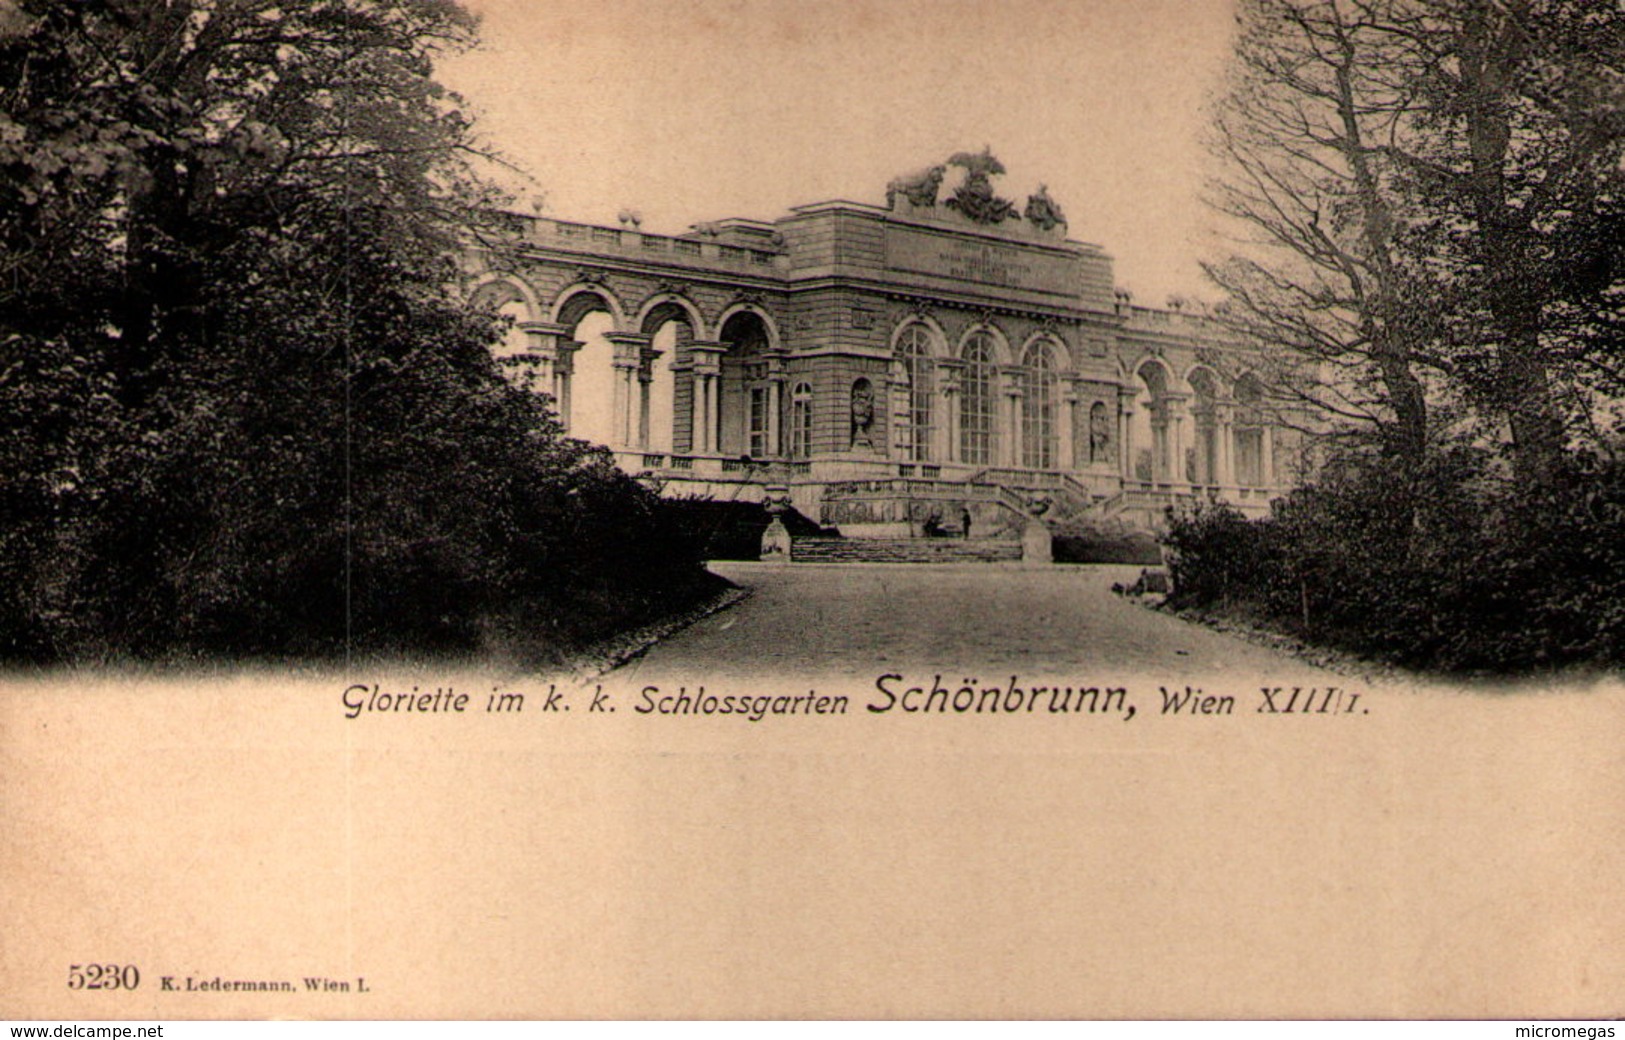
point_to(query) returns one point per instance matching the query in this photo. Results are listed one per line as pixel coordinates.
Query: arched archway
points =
(1252, 439)
(747, 419)
(586, 364)
(506, 294)
(672, 328)
(511, 299)
(1148, 425)
(1207, 452)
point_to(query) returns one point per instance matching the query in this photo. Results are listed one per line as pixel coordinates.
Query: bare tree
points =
(1429, 192)
(1299, 136)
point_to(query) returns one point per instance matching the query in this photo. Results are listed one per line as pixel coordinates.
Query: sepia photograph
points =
(812, 509)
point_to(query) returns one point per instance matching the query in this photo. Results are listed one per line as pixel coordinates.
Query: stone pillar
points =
(1176, 411)
(1037, 545)
(1013, 383)
(948, 428)
(646, 376)
(1266, 456)
(775, 405)
(1224, 443)
(628, 350)
(564, 369)
(1066, 427)
(1125, 432)
(713, 412)
(542, 345)
(707, 356)
(776, 543)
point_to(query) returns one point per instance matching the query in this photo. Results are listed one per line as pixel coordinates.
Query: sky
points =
(696, 110)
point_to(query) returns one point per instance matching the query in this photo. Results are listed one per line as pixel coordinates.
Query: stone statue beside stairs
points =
(776, 539)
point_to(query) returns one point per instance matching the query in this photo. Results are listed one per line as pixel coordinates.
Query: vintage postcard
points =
(954, 473)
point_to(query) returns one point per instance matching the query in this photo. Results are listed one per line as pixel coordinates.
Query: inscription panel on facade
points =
(1010, 266)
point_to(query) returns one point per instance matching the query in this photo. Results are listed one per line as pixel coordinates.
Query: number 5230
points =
(103, 976)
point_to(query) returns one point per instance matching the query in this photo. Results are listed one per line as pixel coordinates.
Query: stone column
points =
(707, 356)
(1066, 426)
(1125, 432)
(1266, 456)
(1224, 443)
(646, 376)
(1015, 390)
(948, 428)
(564, 369)
(542, 345)
(1176, 414)
(628, 350)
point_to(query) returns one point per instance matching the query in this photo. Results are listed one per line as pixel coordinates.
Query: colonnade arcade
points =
(648, 381)
(1202, 429)
(983, 403)
(658, 381)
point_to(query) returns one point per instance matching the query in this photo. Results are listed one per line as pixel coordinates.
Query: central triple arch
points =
(980, 402)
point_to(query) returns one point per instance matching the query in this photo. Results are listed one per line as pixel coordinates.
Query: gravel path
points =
(855, 621)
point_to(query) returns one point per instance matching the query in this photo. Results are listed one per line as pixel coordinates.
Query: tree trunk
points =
(1406, 439)
(1521, 387)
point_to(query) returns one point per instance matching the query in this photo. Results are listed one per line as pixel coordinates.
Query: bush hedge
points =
(1460, 570)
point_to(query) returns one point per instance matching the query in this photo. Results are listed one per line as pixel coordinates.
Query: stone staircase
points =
(1068, 498)
(904, 550)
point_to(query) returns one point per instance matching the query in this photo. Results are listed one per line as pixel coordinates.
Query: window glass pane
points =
(801, 421)
(915, 349)
(758, 421)
(976, 403)
(1038, 408)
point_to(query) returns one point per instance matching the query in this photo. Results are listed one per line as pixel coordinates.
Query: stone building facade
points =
(930, 366)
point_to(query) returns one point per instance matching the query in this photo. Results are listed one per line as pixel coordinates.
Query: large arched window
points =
(976, 402)
(671, 330)
(1038, 407)
(801, 421)
(914, 351)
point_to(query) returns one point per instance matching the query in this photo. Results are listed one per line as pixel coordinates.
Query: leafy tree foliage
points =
(1480, 576)
(241, 407)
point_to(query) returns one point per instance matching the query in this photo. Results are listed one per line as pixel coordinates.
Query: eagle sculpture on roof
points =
(974, 198)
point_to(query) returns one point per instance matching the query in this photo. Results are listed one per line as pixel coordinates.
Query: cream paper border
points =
(1455, 853)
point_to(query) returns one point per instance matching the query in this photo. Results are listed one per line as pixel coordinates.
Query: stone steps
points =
(903, 550)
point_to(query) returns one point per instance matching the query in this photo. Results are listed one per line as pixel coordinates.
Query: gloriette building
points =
(949, 363)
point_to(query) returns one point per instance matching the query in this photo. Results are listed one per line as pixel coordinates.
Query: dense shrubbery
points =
(242, 407)
(1464, 572)
(261, 503)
